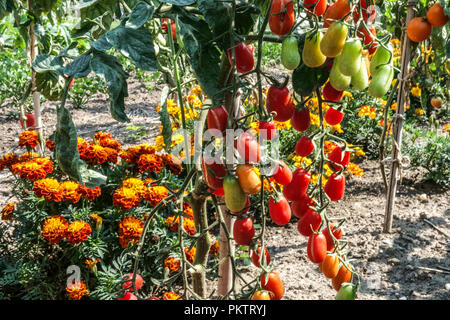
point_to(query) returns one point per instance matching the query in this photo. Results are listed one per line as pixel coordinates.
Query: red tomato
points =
(246, 208)
(248, 148)
(173, 27)
(213, 172)
(298, 185)
(217, 118)
(319, 6)
(280, 212)
(154, 298)
(338, 156)
(279, 101)
(337, 233)
(301, 205)
(331, 94)
(219, 192)
(301, 120)
(128, 296)
(335, 187)
(336, 11)
(283, 174)
(244, 57)
(274, 284)
(129, 284)
(304, 146)
(367, 9)
(333, 116)
(267, 130)
(311, 219)
(243, 231)
(29, 120)
(282, 17)
(317, 247)
(254, 257)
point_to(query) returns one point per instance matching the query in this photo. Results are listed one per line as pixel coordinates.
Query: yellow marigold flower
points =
(150, 163)
(337, 128)
(7, 161)
(28, 138)
(172, 263)
(77, 290)
(355, 170)
(197, 90)
(54, 229)
(7, 211)
(301, 162)
(447, 127)
(78, 231)
(126, 198)
(358, 152)
(347, 94)
(130, 230)
(416, 91)
(315, 120)
(367, 111)
(394, 106)
(283, 125)
(135, 184)
(190, 253)
(171, 296)
(49, 189)
(419, 112)
(328, 170)
(395, 42)
(159, 143)
(154, 195)
(71, 191)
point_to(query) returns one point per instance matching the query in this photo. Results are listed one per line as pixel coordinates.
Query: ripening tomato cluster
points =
(420, 28)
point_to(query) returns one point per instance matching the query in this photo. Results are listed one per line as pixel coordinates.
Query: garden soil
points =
(412, 262)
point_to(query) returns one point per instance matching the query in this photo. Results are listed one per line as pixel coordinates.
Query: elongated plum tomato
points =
(309, 223)
(338, 81)
(279, 210)
(381, 81)
(319, 7)
(129, 284)
(290, 57)
(244, 57)
(367, 9)
(267, 130)
(301, 119)
(217, 118)
(338, 156)
(334, 39)
(261, 295)
(248, 148)
(254, 257)
(245, 210)
(344, 275)
(243, 231)
(304, 146)
(312, 56)
(279, 101)
(235, 198)
(128, 296)
(213, 172)
(350, 58)
(331, 94)
(298, 185)
(29, 120)
(273, 284)
(382, 56)
(330, 266)
(335, 187)
(337, 233)
(248, 178)
(336, 11)
(282, 174)
(317, 247)
(282, 17)
(346, 292)
(301, 205)
(419, 29)
(436, 15)
(173, 28)
(333, 116)
(360, 80)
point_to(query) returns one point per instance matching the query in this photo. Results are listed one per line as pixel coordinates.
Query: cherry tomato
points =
(213, 172)
(301, 205)
(279, 101)
(301, 119)
(261, 295)
(317, 247)
(248, 148)
(340, 157)
(267, 130)
(129, 285)
(254, 257)
(244, 57)
(337, 233)
(333, 116)
(304, 146)
(330, 266)
(298, 185)
(309, 223)
(319, 7)
(248, 178)
(331, 94)
(344, 275)
(335, 187)
(243, 231)
(217, 118)
(282, 174)
(274, 284)
(280, 211)
(436, 102)
(282, 17)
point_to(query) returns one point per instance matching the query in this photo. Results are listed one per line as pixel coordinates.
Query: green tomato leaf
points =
(46, 62)
(180, 3)
(246, 16)
(80, 67)
(91, 178)
(218, 16)
(141, 13)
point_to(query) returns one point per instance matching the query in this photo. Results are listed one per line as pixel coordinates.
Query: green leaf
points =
(218, 16)
(245, 17)
(135, 44)
(66, 149)
(101, 44)
(91, 178)
(165, 119)
(180, 3)
(80, 67)
(306, 80)
(111, 70)
(46, 62)
(140, 15)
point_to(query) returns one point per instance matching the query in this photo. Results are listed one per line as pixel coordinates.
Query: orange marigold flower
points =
(110, 143)
(29, 170)
(7, 161)
(77, 290)
(188, 210)
(54, 229)
(28, 156)
(367, 111)
(150, 163)
(172, 163)
(94, 154)
(50, 145)
(89, 193)
(214, 249)
(71, 191)
(171, 296)
(28, 138)
(132, 154)
(78, 231)
(135, 184)
(188, 223)
(112, 154)
(172, 263)
(154, 195)
(49, 189)
(130, 230)
(7, 211)
(91, 264)
(190, 253)
(126, 198)
(355, 170)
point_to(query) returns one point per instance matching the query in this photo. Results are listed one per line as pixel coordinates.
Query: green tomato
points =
(382, 81)
(338, 81)
(350, 61)
(381, 56)
(235, 198)
(311, 55)
(360, 80)
(346, 292)
(334, 39)
(290, 57)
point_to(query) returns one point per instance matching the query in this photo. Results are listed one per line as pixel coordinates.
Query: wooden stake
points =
(398, 121)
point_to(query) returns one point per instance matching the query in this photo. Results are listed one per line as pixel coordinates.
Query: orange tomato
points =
(436, 102)
(343, 275)
(436, 15)
(249, 180)
(330, 266)
(419, 29)
(274, 284)
(262, 295)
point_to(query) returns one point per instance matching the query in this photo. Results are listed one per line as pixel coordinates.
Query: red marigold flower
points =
(7, 211)
(71, 191)
(50, 145)
(28, 138)
(172, 263)
(49, 189)
(7, 161)
(126, 198)
(54, 229)
(89, 193)
(171, 296)
(78, 231)
(172, 163)
(77, 290)
(112, 154)
(130, 230)
(154, 195)
(150, 163)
